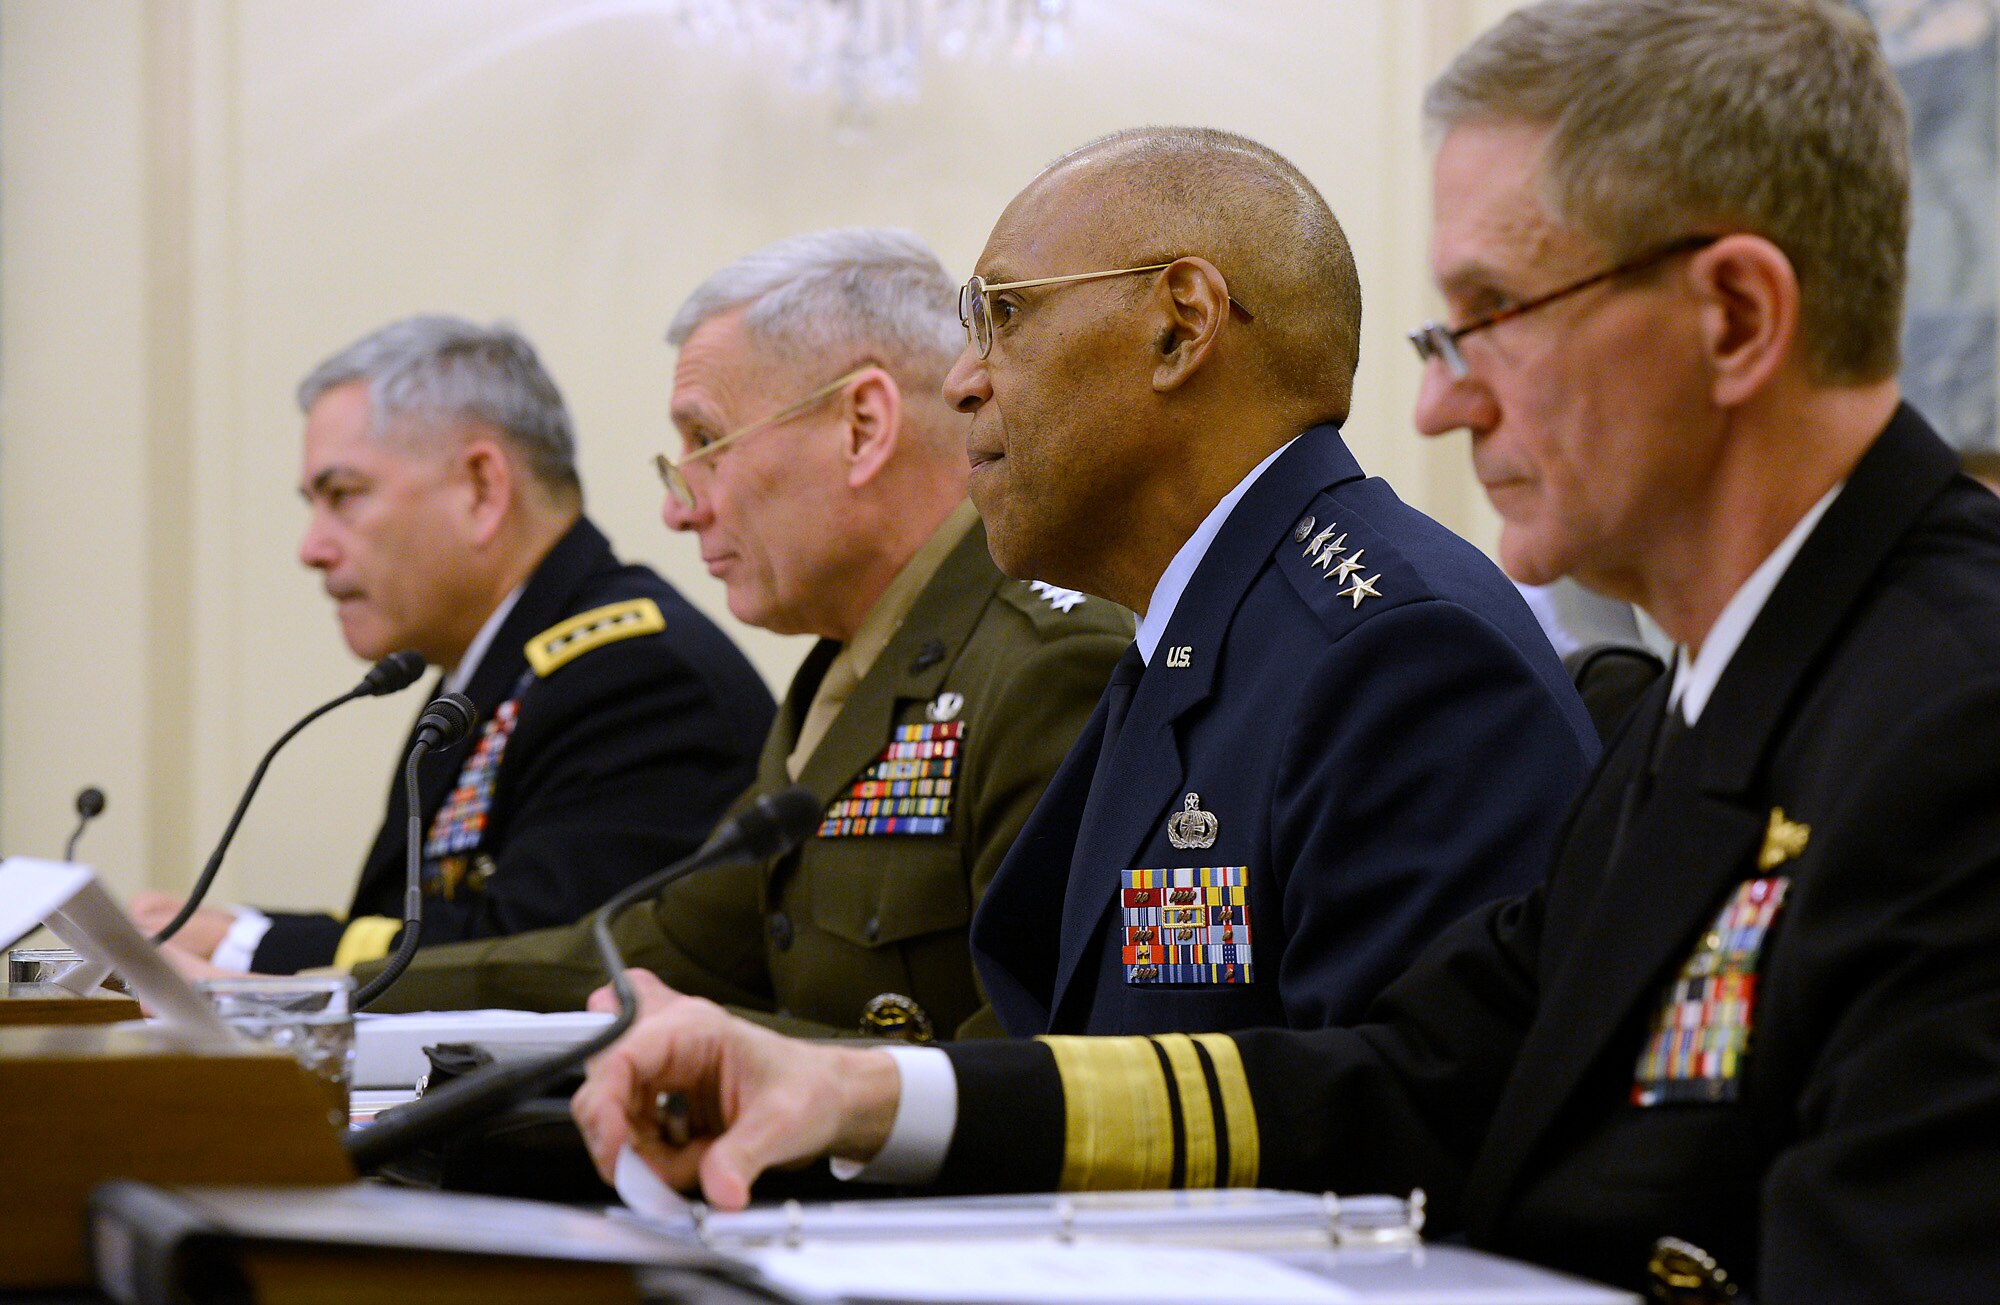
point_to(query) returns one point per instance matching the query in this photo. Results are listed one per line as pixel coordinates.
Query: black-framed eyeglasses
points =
(1436, 341)
(976, 315)
(673, 470)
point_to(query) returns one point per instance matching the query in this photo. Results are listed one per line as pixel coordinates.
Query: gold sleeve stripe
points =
(563, 643)
(1167, 1110)
(366, 939)
(1197, 1117)
(1238, 1113)
(1116, 1114)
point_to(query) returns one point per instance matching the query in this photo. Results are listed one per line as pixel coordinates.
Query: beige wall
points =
(199, 199)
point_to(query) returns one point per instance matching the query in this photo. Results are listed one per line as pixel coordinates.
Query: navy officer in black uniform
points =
(1340, 727)
(615, 721)
(1745, 1038)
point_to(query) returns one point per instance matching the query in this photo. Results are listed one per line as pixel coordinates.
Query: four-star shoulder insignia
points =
(564, 642)
(1784, 840)
(1327, 550)
(1055, 596)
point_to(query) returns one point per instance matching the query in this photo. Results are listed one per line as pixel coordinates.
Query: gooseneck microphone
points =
(448, 719)
(89, 806)
(771, 825)
(395, 672)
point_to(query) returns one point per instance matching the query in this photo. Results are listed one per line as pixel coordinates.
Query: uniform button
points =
(874, 928)
(780, 929)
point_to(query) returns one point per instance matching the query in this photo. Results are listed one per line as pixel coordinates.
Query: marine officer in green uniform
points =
(825, 478)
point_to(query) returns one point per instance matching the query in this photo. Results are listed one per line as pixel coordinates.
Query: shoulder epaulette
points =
(1342, 567)
(564, 642)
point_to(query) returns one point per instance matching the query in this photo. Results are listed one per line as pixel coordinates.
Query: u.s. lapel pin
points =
(945, 707)
(1191, 827)
(1784, 840)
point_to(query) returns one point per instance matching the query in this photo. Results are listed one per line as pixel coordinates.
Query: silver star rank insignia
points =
(1348, 566)
(1319, 543)
(1361, 589)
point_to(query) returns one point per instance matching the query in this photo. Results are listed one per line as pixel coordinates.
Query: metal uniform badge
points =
(1701, 1033)
(907, 789)
(1191, 827)
(1301, 530)
(1186, 925)
(945, 707)
(892, 1016)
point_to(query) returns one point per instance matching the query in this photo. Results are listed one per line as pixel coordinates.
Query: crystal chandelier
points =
(871, 51)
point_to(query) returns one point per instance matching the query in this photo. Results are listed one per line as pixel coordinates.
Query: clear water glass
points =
(311, 1017)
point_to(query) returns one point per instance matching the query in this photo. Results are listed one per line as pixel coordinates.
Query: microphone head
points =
(448, 718)
(397, 671)
(772, 824)
(90, 802)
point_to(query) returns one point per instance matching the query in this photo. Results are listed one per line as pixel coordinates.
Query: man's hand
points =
(651, 993)
(755, 1100)
(201, 935)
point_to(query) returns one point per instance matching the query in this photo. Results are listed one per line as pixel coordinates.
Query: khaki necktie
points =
(828, 700)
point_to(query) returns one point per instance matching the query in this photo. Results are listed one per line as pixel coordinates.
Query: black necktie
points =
(1118, 698)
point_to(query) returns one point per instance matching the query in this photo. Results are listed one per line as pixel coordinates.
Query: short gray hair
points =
(853, 288)
(1672, 117)
(431, 367)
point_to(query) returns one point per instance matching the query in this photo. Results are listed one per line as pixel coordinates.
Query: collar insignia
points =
(1784, 840)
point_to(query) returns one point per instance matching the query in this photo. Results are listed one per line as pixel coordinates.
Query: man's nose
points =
(967, 385)
(680, 516)
(316, 547)
(1446, 403)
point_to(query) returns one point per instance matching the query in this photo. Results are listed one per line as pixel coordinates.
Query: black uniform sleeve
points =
(1396, 1103)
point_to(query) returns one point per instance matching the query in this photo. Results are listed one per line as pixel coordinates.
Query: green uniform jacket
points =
(806, 940)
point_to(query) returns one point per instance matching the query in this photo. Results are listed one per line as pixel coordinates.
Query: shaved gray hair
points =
(1678, 117)
(431, 370)
(1249, 210)
(846, 291)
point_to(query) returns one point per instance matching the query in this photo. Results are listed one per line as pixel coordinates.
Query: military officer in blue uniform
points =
(1340, 727)
(615, 722)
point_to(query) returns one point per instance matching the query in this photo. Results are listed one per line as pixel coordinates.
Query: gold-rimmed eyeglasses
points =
(673, 472)
(976, 315)
(1435, 340)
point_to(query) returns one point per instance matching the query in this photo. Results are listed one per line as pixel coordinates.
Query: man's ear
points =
(1749, 313)
(1193, 302)
(489, 485)
(873, 411)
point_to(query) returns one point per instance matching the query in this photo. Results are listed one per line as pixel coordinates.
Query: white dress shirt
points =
(1695, 678)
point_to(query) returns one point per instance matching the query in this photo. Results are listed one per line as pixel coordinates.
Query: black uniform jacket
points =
(807, 940)
(620, 759)
(1851, 750)
(1380, 732)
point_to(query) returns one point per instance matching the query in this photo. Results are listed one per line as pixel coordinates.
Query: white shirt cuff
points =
(239, 945)
(926, 1116)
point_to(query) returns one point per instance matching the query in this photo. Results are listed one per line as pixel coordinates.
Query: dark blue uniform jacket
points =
(1381, 733)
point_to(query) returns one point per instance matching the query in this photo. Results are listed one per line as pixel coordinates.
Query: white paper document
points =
(389, 1049)
(76, 908)
(996, 1272)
